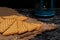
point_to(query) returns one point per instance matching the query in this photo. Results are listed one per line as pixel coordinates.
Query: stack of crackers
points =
(12, 22)
(16, 25)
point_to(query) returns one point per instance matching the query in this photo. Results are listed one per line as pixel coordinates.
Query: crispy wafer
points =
(22, 18)
(5, 24)
(38, 25)
(13, 29)
(29, 26)
(11, 16)
(21, 27)
(15, 16)
(1, 19)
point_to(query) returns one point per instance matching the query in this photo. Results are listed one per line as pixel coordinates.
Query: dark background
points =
(23, 3)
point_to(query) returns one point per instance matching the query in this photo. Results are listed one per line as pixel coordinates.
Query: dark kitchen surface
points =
(51, 35)
(23, 3)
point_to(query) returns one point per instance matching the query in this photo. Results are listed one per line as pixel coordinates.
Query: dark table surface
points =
(51, 35)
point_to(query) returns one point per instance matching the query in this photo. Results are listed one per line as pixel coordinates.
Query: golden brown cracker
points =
(13, 29)
(29, 26)
(22, 18)
(1, 19)
(16, 16)
(11, 16)
(38, 25)
(21, 27)
(5, 24)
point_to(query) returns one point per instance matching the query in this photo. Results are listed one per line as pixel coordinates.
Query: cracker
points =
(15, 16)
(21, 27)
(6, 24)
(29, 26)
(13, 29)
(11, 16)
(1, 19)
(38, 25)
(22, 18)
